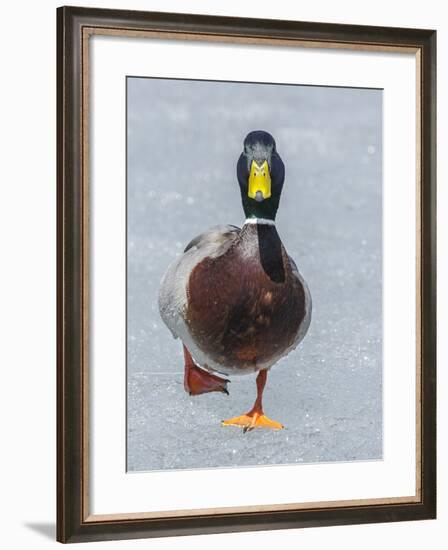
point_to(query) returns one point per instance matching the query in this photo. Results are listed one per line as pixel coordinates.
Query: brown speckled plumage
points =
(245, 307)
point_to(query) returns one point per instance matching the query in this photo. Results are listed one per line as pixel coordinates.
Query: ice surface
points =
(184, 139)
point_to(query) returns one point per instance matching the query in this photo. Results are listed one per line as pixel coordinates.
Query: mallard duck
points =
(235, 298)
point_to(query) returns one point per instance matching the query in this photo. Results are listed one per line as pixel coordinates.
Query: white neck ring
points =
(261, 221)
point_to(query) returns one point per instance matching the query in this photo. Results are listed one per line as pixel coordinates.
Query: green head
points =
(261, 174)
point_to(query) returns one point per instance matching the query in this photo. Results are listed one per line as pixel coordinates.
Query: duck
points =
(235, 298)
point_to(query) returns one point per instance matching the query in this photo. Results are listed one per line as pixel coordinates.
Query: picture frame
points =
(75, 28)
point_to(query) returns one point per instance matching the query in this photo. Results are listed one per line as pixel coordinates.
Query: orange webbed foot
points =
(198, 381)
(253, 420)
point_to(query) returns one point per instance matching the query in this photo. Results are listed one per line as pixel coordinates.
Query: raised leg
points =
(255, 418)
(197, 381)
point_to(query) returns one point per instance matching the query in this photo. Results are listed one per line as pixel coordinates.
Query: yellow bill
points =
(259, 181)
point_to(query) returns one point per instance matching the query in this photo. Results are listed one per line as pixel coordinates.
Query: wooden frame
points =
(75, 25)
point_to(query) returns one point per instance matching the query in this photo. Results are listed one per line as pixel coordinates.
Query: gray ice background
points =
(184, 138)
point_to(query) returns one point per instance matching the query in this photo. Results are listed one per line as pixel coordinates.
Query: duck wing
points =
(308, 303)
(219, 235)
(173, 289)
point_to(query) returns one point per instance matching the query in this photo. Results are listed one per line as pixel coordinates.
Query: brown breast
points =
(245, 307)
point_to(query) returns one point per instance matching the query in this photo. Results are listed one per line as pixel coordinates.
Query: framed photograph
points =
(246, 274)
